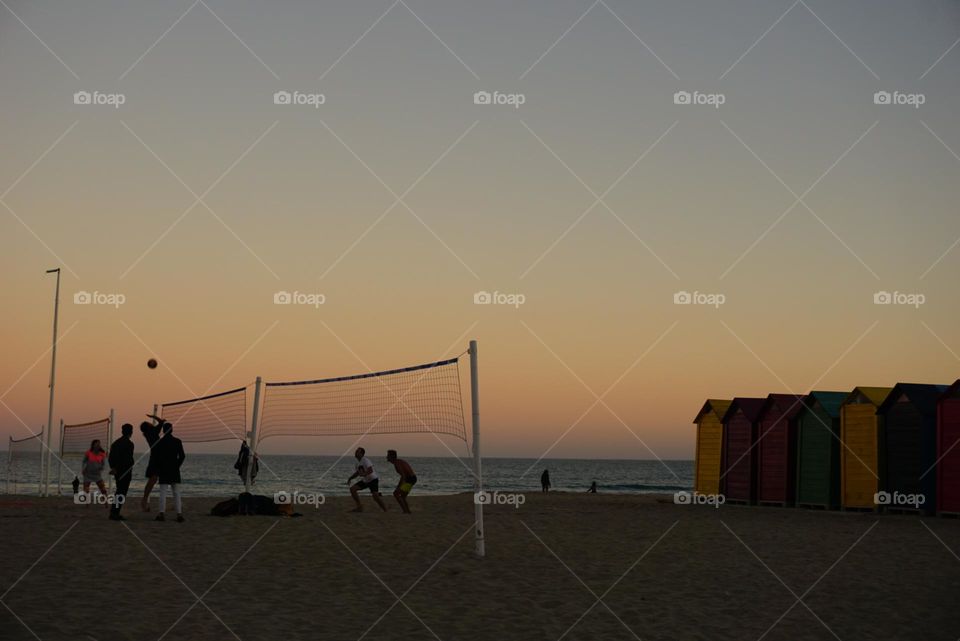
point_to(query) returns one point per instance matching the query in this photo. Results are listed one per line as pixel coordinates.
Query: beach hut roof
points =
(953, 390)
(922, 396)
(829, 401)
(716, 406)
(751, 408)
(875, 395)
(791, 403)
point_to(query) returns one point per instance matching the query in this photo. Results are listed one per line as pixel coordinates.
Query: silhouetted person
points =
(407, 479)
(545, 481)
(151, 433)
(76, 485)
(121, 466)
(170, 456)
(593, 488)
(368, 480)
(243, 460)
(94, 460)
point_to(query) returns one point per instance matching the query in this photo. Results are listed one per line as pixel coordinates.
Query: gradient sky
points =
(298, 204)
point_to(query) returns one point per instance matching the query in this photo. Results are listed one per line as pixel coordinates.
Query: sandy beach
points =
(662, 571)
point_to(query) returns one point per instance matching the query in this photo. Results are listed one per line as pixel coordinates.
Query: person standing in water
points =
(545, 481)
(407, 479)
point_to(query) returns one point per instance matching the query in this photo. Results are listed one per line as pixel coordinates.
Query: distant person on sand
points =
(170, 456)
(407, 479)
(368, 479)
(545, 481)
(243, 460)
(151, 433)
(593, 488)
(94, 460)
(121, 466)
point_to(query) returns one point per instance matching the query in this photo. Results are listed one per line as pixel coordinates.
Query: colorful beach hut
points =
(860, 462)
(818, 450)
(709, 422)
(740, 423)
(777, 449)
(909, 442)
(948, 451)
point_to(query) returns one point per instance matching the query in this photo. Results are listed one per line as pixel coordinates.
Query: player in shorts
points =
(368, 480)
(407, 479)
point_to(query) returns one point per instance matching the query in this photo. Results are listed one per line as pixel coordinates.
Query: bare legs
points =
(145, 501)
(355, 493)
(401, 497)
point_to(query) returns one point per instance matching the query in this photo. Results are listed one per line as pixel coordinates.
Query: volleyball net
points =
(419, 399)
(215, 417)
(24, 462)
(75, 440)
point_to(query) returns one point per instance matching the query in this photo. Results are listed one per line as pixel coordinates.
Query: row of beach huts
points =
(866, 449)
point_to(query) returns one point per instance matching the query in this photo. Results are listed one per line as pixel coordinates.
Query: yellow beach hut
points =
(709, 424)
(860, 464)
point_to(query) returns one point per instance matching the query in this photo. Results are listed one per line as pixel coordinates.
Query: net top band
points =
(401, 370)
(97, 422)
(204, 398)
(25, 438)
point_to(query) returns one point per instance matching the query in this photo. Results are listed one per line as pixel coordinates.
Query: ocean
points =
(213, 475)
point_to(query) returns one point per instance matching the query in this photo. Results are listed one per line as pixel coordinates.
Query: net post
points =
(10, 462)
(60, 457)
(107, 448)
(45, 453)
(44, 441)
(479, 548)
(253, 435)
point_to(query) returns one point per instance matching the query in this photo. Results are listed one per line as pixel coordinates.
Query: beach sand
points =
(663, 571)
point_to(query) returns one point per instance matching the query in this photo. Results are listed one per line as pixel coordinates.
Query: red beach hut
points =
(948, 451)
(740, 425)
(777, 449)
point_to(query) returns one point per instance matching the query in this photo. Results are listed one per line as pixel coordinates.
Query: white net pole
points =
(44, 438)
(45, 453)
(9, 462)
(248, 473)
(479, 547)
(106, 446)
(60, 461)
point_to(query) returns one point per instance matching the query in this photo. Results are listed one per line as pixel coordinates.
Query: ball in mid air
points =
(152, 363)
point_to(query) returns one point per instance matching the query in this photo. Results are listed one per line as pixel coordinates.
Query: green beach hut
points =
(818, 450)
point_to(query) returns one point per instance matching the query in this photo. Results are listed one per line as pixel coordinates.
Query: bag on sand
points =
(225, 508)
(257, 504)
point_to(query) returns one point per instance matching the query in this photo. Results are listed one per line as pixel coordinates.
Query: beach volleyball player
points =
(407, 479)
(369, 479)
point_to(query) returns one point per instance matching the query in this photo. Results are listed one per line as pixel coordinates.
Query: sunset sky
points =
(597, 199)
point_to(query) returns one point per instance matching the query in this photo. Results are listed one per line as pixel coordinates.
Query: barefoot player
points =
(406, 482)
(368, 479)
